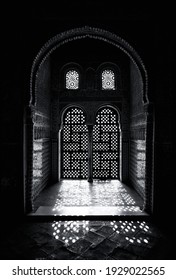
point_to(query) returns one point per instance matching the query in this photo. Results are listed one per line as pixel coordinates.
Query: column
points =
(90, 153)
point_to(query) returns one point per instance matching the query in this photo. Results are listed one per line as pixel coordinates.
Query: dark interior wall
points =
(42, 127)
(11, 115)
(137, 131)
(25, 31)
(164, 101)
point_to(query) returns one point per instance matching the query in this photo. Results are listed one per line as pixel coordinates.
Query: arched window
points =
(72, 79)
(108, 79)
(106, 145)
(74, 145)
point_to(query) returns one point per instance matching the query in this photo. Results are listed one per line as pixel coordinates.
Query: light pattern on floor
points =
(130, 228)
(137, 233)
(100, 193)
(85, 239)
(70, 231)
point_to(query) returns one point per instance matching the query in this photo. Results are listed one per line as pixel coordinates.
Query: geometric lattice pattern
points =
(74, 145)
(108, 79)
(72, 79)
(106, 145)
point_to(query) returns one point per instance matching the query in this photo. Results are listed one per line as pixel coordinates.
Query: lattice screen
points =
(74, 145)
(72, 79)
(108, 79)
(106, 145)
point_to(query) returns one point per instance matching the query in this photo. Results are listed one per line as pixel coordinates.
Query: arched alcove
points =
(136, 112)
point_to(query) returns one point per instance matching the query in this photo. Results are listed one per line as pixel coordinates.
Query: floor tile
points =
(86, 239)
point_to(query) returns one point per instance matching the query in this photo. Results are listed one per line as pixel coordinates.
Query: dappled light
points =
(138, 233)
(70, 231)
(82, 193)
(131, 231)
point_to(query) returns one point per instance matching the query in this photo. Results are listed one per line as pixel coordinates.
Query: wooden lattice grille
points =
(74, 145)
(72, 79)
(106, 145)
(108, 79)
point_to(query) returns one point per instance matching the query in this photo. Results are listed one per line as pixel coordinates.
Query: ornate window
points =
(108, 79)
(74, 145)
(72, 79)
(106, 145)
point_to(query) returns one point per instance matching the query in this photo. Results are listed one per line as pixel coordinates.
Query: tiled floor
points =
(113, 238)
(79, 197)
(82, 240)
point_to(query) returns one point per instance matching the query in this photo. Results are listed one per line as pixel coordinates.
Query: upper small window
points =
(108, 79)
(72, 79)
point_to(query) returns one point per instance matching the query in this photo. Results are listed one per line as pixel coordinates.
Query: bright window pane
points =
(106, 145)
(72, 79)
(108, 79)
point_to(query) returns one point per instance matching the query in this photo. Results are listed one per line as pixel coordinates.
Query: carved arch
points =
(49, 48)
(81, 33)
